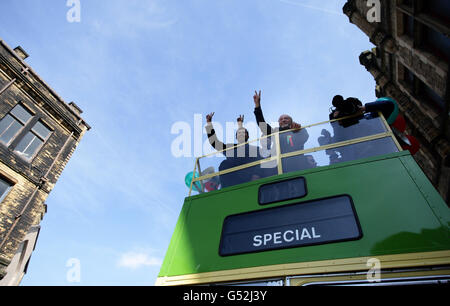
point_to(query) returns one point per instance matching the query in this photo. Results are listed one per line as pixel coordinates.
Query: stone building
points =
(38, 134)
(410, 63)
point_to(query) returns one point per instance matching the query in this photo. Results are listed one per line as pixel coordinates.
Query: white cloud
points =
(135, 260)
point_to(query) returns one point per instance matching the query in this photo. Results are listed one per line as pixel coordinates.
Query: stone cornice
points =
(32, 90)
(349, 8)
(71, 118)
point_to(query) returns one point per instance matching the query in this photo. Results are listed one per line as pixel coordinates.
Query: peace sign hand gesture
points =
(257, 99)
(240, 120)
(209, 117)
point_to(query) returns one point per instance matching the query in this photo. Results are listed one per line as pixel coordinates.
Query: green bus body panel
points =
(398, 209)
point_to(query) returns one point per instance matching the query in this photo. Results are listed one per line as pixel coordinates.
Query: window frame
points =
(11, 184)
(23, 124)
(25, 129)
(30, 130)
(422, 23)
(418, 89)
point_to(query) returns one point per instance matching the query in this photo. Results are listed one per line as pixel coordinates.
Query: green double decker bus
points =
(350, 207)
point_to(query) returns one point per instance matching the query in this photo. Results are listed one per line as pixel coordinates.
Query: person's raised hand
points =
(240, 120)
(209, 117)
(257, 99)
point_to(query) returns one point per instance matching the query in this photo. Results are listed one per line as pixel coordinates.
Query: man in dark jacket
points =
(289, 141)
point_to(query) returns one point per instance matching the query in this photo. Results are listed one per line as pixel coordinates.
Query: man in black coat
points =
(289, 141)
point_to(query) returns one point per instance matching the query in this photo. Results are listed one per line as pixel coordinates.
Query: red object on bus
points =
(399, 123)
(414, 147)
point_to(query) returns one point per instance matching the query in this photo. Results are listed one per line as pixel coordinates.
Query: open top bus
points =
(350, 208)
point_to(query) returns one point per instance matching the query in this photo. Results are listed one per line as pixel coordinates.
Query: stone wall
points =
(394, 53)
(32, 180)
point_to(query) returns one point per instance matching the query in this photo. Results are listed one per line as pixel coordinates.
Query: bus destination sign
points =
(295, 225)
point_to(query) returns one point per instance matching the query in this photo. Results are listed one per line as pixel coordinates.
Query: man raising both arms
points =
(236, 154)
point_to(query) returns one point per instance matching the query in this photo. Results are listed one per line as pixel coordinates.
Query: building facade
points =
(410, 63)
(38, 134)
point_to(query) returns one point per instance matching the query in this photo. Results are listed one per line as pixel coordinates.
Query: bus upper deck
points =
(313, 146)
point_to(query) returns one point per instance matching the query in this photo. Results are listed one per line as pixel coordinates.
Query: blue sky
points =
(136, 67)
